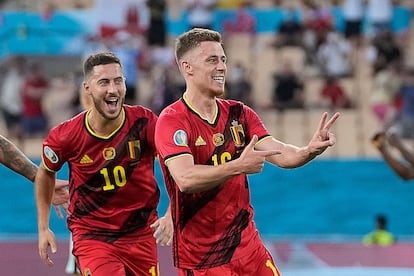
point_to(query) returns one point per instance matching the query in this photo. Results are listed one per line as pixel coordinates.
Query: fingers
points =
(253, 142)
(163, 231)
(332, 121)
(65, 206)
(45, 256)
(53, 247)
(155, 224)
(332, 139)
(326, 126)
(58, 212)
(322, 121)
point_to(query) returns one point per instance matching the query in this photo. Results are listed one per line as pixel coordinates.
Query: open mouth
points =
(219, 79)
(112, 103)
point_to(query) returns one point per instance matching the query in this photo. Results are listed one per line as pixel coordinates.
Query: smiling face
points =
(205, 68)
(106, 87)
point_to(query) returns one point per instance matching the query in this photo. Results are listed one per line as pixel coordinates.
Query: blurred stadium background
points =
(312, 219)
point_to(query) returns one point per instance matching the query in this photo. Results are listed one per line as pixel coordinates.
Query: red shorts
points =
(122, 258)
(258, 263)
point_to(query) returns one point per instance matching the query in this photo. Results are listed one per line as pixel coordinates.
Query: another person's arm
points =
(404, 169)
(13, 158)
(164, 228)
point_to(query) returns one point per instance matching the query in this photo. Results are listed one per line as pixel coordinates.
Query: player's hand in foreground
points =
(323, 138)
(46, 239)
(251, 160)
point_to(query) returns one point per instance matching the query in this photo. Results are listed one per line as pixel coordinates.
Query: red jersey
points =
(213, 227)
(112, 187)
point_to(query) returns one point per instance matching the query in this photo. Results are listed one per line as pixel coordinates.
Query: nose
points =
(112, 86)
(221, 66)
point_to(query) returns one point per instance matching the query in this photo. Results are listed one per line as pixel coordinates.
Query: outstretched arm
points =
(13, 158)
(292, 156)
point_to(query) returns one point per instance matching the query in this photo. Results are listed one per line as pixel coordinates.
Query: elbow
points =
(183, 185)
(189, 187)
(184, 189)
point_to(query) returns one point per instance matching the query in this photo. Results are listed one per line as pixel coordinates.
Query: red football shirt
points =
(113, 192)
(215, 226)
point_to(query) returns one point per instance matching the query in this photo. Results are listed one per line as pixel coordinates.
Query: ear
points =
(86, 88)
(186, 67)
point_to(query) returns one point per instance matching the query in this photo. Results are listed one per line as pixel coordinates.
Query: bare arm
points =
(405, 170)
(13, 158)
(16, 160)
(44, 186)
(192, 178)
(292, 156)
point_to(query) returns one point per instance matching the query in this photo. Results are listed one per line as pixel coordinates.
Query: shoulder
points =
(233, 105)
(69, 127)
(174, 109)
(139, 111)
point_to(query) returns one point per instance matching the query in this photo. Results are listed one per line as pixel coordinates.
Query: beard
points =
(100, 107)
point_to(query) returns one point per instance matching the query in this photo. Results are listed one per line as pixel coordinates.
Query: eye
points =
(212, 60)
(103, 82)
(119, 81)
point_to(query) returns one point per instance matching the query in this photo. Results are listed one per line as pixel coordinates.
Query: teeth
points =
(111, 101)
(218, 78)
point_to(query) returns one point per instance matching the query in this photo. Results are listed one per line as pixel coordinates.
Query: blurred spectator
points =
(353, 11)
(288, 89)
(33, 90)
(333, 55)
(239, 86)
(317, 22)
(384, 50)
(291, 30)
(166, 87)
(379, 15)
(230, 4)
(94, 43)
(380, 235)
(403, 125)
(245, 21)
(59, 105)
(200, 13)
(333, 95)
(157, 30)
(127, 47)
(385, 86)
(11, 97)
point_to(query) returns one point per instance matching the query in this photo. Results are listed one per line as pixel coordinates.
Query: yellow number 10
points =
(118, 175)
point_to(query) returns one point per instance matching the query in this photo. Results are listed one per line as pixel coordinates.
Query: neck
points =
(102, 126)
(204, 106)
